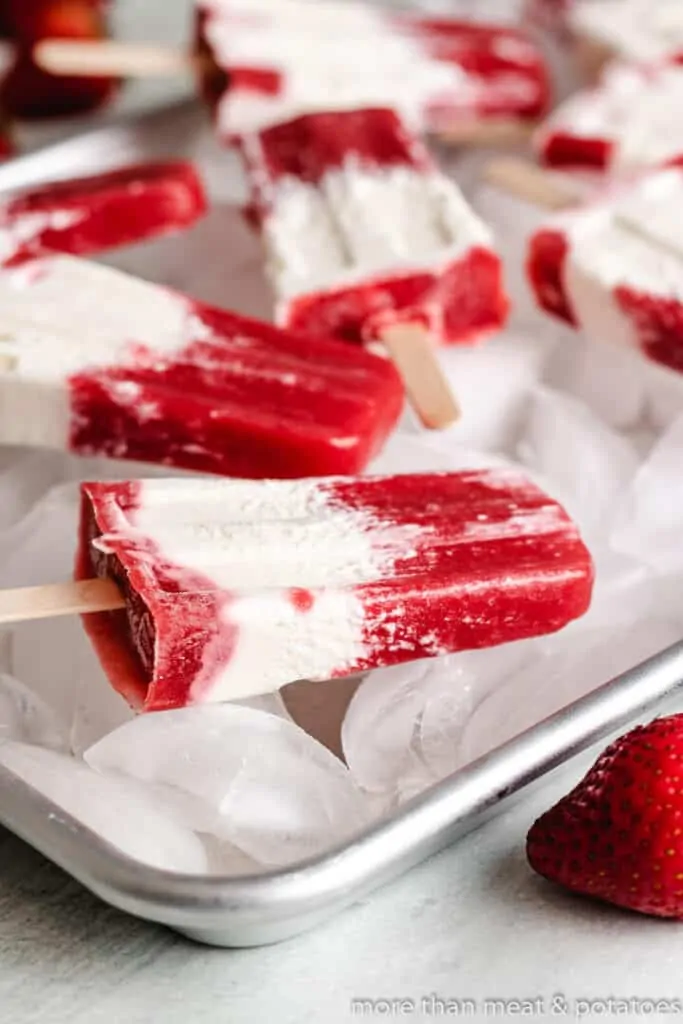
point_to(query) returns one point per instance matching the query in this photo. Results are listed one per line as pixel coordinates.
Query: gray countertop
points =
(471, 925)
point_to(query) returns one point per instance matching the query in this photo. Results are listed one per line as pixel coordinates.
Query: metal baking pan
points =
(254, 910)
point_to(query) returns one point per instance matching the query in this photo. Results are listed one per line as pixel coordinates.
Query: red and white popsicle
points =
(264, 61)
(630, 122)
(366, 240)
(88, 215)
(227, 589)
(96, 362)
(284, 58)
(614, 268)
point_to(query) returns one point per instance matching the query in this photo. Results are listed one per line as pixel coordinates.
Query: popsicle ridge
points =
(330, 193)
(132, 370)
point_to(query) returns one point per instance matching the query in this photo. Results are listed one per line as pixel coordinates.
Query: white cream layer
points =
(330, 56)
(62, 315)
(642, 30)
(634, 240)
(363, 222)
(258, 541)
(638, 111)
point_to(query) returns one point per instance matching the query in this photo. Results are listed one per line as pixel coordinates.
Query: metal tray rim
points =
(258, 909)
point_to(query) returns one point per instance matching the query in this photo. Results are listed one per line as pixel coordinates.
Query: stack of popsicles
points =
(262, 62)
(112, 365)
(209, 590)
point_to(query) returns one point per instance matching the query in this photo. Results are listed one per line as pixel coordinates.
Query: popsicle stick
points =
(429, 393)
(590, 57)
(487, 132)
(77, 598)
(105, 58)
(536, 185)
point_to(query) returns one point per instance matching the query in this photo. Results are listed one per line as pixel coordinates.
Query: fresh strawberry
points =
(62, 19)
(618, 836)
(28, 91)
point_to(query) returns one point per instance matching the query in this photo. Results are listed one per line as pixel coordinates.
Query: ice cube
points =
(648, 525)
(56, 661)
(25, 477)
(626, 591)
(227, 860)
(379, 728)
(584, 464)
(560, 672)
(40, 547)
(124, 813)
(492, 382)
(271, 703)
(432, 451)
(274, 792)
(27, 718)
(611, 381)
(404, 721)
(664, 395)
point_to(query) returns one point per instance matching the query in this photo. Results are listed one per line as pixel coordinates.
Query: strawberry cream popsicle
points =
(236, 588)
(283, 58)
(96, 362)
(88, 215)
(630, 122)
(362, 231)
(614, 268)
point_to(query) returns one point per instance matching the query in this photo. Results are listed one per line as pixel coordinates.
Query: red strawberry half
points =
(618, 836)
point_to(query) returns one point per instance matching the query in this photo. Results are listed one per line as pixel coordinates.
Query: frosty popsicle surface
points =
(81, 216)
(100, 363)
(362, 231)
(614, 268)
(291, 57)
(236, 588)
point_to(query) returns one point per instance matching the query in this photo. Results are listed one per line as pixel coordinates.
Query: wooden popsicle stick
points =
(590, 56)
(108, 58)
(487, 132)
(528, 181)
(76, 598)
(429, 393)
